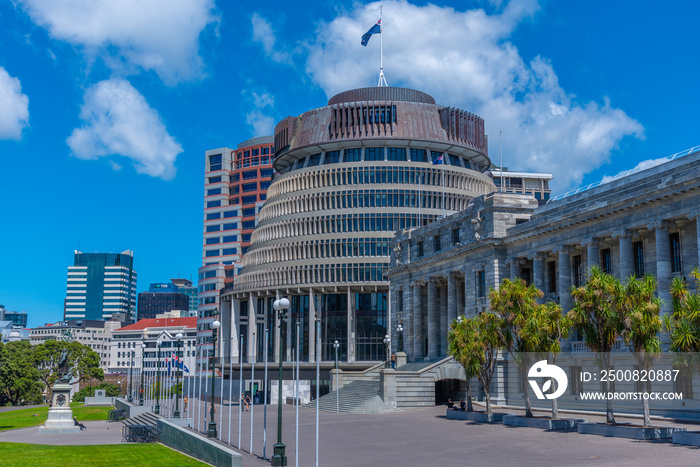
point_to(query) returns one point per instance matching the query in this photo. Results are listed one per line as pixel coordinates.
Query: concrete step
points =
(147, 418)
(356, 397)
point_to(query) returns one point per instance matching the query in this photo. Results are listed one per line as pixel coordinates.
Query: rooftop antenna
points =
(382, 79)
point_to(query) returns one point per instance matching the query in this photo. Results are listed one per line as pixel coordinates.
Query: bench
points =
(116, 415)
(139, 434)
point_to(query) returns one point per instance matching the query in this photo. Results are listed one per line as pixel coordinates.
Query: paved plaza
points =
(417, 437)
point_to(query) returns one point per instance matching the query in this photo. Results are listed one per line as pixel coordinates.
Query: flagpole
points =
(443, 184)
(382, 79)
(500, 139)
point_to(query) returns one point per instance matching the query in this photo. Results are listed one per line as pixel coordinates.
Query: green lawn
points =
(21, 455)
(37, 416)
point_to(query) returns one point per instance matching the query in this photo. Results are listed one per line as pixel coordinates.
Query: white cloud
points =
(647, 164)
(259, 119)
(118, 121)
(159, 35)
(265, 35)
(14, 107)
(464, 59)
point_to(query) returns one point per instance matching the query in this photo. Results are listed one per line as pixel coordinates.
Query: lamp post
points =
(178, 336)
(336, 345)
(131, 374)
(399, 331)
(211, 433)
(157, 409)
(278, 457)
(143, 350)
(387, 346)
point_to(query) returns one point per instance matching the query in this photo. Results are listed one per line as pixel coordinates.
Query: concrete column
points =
(312, 327)
(442, 328)
(408, 312)
(538, 271)
(626, 258)
(514, 269)
(564, 286)
(418, 350)
(663, 265)
(235, 322)
(351, 326)
(252, 326)
(452, 299)
(433, 321)
(468, 292)
(592, 253)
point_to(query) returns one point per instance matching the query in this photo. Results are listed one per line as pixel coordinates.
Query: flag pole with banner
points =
(377, 29)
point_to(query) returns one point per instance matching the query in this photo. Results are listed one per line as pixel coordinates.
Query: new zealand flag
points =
(376, 29)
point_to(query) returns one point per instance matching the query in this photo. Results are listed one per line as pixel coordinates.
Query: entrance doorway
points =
(445, 389)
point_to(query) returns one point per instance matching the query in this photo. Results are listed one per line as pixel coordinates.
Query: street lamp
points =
(399, 331)
(157, 409)
(211, 433)
(336, 345)
(131, 373)
(178, 336)
(143, 350)
(387, 344)
(278, 457)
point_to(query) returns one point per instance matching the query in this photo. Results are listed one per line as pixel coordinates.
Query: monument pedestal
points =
(60, 418)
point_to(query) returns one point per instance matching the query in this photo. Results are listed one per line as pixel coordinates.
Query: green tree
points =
(474, 343)
(642, 326)
(84, 363)
(19, 378)
(597, 315)
(527, 328)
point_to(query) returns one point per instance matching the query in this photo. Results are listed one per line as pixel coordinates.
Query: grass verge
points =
(132, 455)
(23, 418)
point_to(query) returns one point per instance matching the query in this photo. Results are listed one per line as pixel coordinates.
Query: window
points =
(420, 248)
(231, 226)
(230, 214)
(374, 154)
(235, 189)
(215, 179)
(397, 154)
(578, 271)
(212, 241)
(248, 187)
(250, 175)
(606, 261)
(228, 251)
(675, 244)
(249, 199)
(248, 225)
(436, 243)
(215, 191)
(256, 152)
(229, 238)
(266, 173)
(332, 157)
(215, 162)
(236, 177)
(480, 284)
(210, 253)
(213, 215)
(455, 236)
(213, 204)
(418, 155)
(264, 185)
(248, 212)
(246, 239)
(638, 255)
(351, 155)
(264, 151)
(314, 159)
(552, 276)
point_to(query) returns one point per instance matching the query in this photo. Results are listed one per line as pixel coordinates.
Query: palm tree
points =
(596, 314)
(642, 326)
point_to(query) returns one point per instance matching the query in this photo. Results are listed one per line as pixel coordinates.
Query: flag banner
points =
(178, 363)
(438, 160)
(376, 29)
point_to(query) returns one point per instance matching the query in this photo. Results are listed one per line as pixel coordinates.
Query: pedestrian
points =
(185, 402)
(450, 404)
(77, 423)
(393, 360)
(247, 402)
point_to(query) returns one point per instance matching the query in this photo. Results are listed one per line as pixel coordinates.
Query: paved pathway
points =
(96, 432)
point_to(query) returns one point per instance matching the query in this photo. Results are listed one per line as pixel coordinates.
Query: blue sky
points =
(106, 108)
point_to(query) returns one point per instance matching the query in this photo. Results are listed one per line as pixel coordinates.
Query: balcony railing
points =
(580, 346)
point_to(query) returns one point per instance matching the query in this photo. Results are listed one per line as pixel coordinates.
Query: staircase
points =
(357, 397)
(147, 418)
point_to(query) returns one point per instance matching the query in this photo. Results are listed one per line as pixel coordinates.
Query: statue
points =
(64, 374)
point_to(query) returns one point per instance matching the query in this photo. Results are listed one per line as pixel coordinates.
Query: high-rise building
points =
(236, 183)
(186, 287)
(351, 173)
(101, 284)
(161, 298)
(18, 318)
(529, 183)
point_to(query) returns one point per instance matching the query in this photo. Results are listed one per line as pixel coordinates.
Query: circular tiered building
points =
(349, 174)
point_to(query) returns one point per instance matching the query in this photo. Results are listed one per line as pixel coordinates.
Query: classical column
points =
(433, 321)
(235, 329)
(695, 214)
(626, 259)
(538, 271)
(663, 264)
(443, 326)
(418, 349)
(514, 268)
(351, 328)
(564, 286)
(452, 299)
(312, 327)
(592, 253)
(408, 314)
